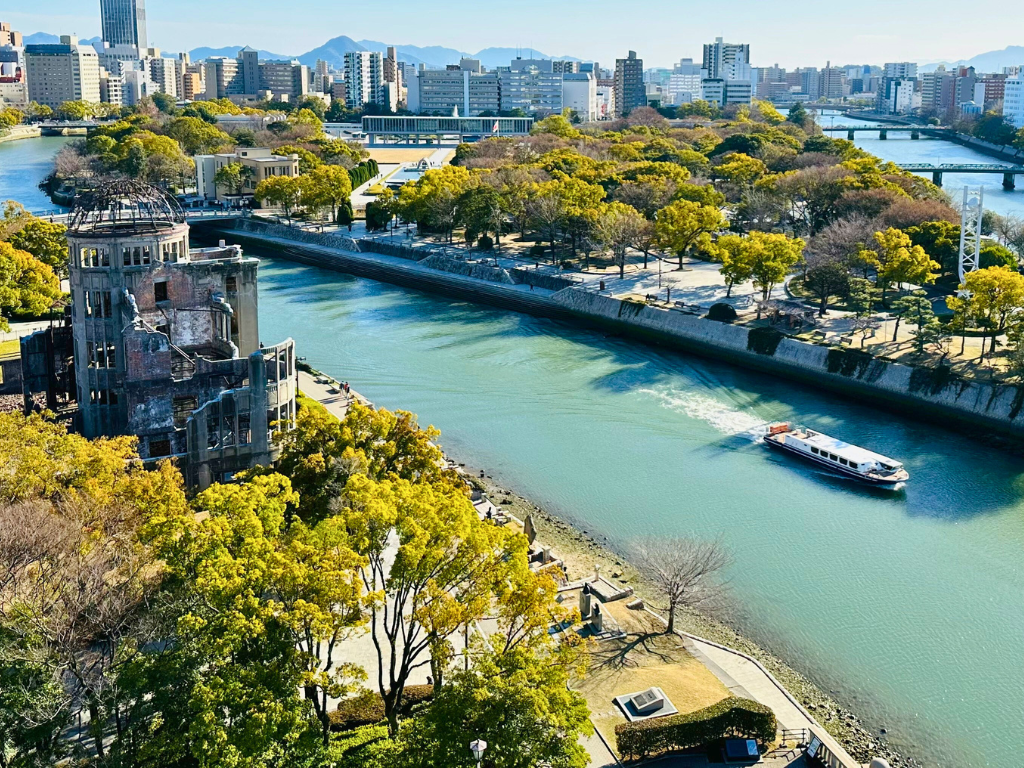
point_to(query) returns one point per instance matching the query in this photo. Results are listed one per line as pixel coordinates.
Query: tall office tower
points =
(725, 60)
(124, 22)
(630, 91)
(831, 82)
(249, 59)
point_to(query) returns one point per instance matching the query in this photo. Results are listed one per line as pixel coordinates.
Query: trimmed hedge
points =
(722, 312)
(368, 707)
(730, 718)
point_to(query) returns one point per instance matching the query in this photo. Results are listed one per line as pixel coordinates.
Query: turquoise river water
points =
(908, 606)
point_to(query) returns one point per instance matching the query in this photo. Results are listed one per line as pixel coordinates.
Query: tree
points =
(771, 256)
(683, 224)
(825, 279)
(740, 169)
(164, 102)
(28, 286)
(380, 212)
(326, 186)
(518, 702)
(134, 163)
(797, 114)
(45, 240)
(196, 136)
(996, 295)
(283, 191)
(443, 575)
(916, 308)
(618, 227)
(684, 571)
(899, 261)
(697, 108)
(432, 201)
(75, 110)
(861, 301)
(940, 240)
(481, 211)
(730, 250)
(557, 126)
(233, 176)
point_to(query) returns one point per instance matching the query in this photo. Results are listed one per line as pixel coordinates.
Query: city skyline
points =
(800, 38)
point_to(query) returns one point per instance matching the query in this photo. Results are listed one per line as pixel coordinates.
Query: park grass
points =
(10, 348)
(645, 657)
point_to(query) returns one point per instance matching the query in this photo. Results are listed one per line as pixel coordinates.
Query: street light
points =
(478, 748)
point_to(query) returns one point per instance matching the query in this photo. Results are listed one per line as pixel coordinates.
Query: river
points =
(907, 606)
(23, 164)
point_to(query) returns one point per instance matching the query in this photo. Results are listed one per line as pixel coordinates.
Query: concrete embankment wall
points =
(928, 392)
(21, 132)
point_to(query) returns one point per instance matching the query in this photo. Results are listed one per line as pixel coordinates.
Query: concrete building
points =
(938, 91)
(630, 92)
(531, 85)
(463, 89)
(136, 86)
(123, 22)
(579, 93)
(726, 61)
(9, 36)
(904, 70)
(284, 80)
(165, 339)
(111, 88)
(989, 91)
(62, 72)
(261, 163)
(164, 73)
(683, 84)
(897, 96)
(831, 82)
(1013, 101)
(191, 86)
(606, 99)
(392, 72)
(722, 93)
(222, 77)
(364, 78)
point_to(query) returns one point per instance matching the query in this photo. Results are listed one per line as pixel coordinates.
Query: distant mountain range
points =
(334, 50)
(992, 61)
(45, 38)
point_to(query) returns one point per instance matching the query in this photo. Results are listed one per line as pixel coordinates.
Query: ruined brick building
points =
(166, 338)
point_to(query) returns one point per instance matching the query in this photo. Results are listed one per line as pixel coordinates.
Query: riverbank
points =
(928, 393)
(21, 132)
(581, 552)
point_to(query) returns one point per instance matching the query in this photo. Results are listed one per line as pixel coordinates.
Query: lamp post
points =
(478, 748)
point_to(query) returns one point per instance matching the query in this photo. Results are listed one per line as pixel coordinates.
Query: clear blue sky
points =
(794, 33)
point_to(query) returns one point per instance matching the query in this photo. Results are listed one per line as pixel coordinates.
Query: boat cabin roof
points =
(851, 453)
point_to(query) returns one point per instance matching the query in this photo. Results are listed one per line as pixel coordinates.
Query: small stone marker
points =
(529, 530)
(647, 701)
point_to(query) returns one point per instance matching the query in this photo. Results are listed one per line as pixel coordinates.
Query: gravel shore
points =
(581, 553)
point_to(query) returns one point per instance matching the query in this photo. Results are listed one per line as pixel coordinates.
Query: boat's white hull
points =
(774, 442)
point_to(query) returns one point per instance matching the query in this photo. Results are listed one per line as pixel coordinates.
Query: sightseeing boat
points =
(836, 456)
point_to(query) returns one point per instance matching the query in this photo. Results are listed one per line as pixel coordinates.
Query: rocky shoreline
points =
(581, 552)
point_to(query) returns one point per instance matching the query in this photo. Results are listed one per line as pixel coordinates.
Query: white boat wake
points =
(725, 419)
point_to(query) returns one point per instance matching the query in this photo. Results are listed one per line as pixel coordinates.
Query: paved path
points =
(329, 394)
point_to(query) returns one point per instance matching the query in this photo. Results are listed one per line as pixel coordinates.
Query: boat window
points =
(833, 457)
(843, 461)
(814, 450)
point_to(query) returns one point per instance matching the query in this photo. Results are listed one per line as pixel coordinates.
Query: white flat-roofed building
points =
(262, 162)
(579, 93)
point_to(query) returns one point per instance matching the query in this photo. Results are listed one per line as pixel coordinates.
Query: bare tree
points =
(685, 571)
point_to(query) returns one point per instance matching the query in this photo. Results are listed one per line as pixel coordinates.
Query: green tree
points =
(861, 301)
(196, 136)
(518, 702)
(164, 103)
(75, 110)
(940, 240)
(996, 296)
(28, 286)
(481, 210)
(45, 240)
(826, 279)
(771, 257)
(134, 163)
(326, 186)
(915, 308)
(730, 250)
(282, 191)
(697, 108)
(618, 228)
(432, 201)
(682, 225)
(797, 114)
(899, 261)
(232, 177)
(740, 169)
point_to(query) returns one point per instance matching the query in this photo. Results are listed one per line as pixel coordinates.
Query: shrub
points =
(732, 717)
(367, 708)
(537, 251)
(485, 243)
(722, 312)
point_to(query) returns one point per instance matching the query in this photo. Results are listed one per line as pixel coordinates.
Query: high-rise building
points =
(831, 82)
(533, 86)
(1013, 100)
(13, 78)
(123, 22)
(898, 95)
(284, 80)
(222, 78)
(164, 73)
(906, 70)
(938, 91)
(364, 78)
(249, 63)
(725, 60)
(62, 72)
(630, 92)
(391, 71)
(684, 82)
(111, 88)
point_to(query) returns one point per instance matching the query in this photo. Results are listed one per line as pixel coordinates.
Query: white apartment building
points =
(533, 86)
(165, 74)
(223, 78)
(605, 94)
(364, 78)
(1013, 101)
(683, 84)
(900, 69)
(579, 93)
(111, 88)
(63, 72)
(726, 61)
(722, 93)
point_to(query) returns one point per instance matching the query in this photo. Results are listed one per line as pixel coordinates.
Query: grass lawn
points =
(10, 348)
(644, 658)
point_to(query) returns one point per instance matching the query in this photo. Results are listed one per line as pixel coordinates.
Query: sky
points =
(791, 33)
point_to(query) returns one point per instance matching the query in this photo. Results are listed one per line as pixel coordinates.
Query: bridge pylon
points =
(970, 230)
